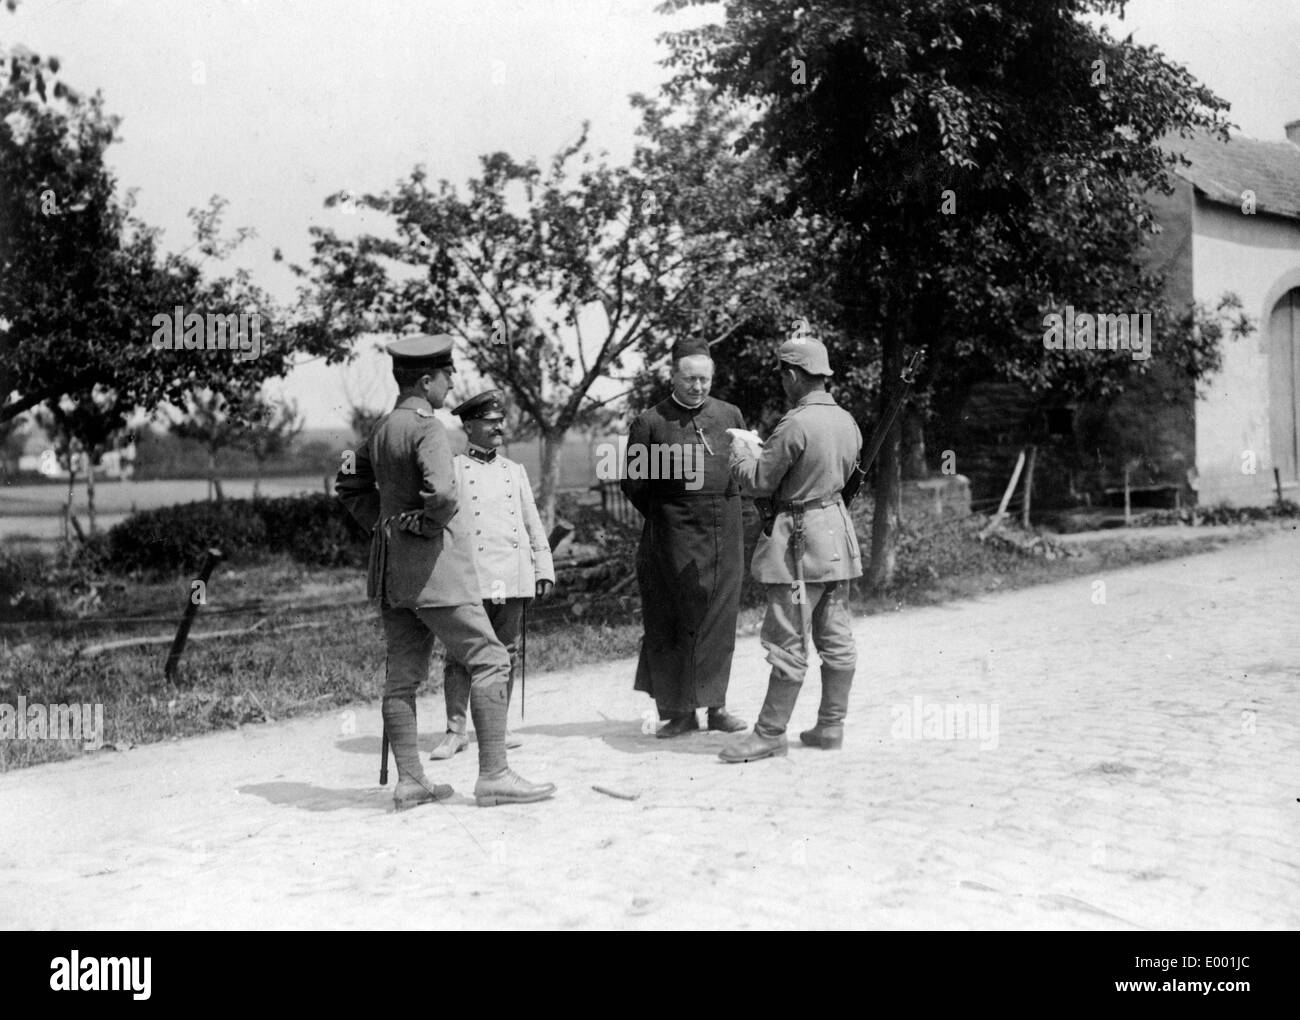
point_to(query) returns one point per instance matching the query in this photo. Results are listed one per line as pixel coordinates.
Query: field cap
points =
(810, 355)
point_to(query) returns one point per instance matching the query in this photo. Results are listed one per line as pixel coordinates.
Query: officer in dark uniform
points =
(807, 555)
(401, 487)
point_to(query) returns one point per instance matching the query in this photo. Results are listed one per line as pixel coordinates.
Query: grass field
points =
(35, 512)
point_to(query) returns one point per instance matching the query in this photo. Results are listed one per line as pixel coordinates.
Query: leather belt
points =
(802, 506)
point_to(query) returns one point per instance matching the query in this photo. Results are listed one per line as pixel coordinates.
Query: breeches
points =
(466, 632)
(831, 627)
(506, 619)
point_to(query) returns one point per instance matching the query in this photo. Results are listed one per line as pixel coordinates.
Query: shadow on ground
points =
(622, 735)
(319, 798)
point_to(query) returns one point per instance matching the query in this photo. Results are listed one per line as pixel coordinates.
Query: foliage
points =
(81, 279)
(314, 529)
(988, 162)
(556, 278)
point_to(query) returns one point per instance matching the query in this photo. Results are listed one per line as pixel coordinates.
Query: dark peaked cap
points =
(421, 351)
(690, 349)
(488, 404)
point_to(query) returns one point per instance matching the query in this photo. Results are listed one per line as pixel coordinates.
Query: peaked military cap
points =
(810, 355)
(420, 350)
(488, 404)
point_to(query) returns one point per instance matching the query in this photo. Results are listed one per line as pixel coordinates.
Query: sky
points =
(275, 104)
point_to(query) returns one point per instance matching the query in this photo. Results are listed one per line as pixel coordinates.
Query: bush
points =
(315, 530)
(23, 593)
(173, 538)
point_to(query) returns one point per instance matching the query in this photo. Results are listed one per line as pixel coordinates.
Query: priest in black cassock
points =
(691, 557)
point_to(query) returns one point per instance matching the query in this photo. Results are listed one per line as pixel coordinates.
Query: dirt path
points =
(1143, 773)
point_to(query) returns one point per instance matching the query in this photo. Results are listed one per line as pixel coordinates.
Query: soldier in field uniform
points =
(508, 542)
(402, 489)
(691, 557)
(807, 555)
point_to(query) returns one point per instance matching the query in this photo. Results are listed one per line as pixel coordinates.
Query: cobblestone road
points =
(1132, 761)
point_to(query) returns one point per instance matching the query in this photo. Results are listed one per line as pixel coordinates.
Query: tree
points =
(272, 429)
(559, 281)
(83, 430)
(988, 162)
(81, 280)
(216, 422)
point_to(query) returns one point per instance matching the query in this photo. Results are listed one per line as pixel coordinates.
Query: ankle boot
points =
(768, 739)
(452, 743)
(497, 784)
(412, 786)
(828, 734)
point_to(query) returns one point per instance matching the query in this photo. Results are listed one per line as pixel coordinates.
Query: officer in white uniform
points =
(509, 545)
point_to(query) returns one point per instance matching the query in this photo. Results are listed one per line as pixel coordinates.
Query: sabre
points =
(523, 658)
(384, 743)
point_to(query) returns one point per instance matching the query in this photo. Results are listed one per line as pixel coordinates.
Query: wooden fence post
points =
(191, 607)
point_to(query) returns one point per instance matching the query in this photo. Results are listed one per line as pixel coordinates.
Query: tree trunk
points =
(90, 491)
(552, 446)
(257, 478)
(913, 440)
(887, 488)
(214, 483)
(67, 509)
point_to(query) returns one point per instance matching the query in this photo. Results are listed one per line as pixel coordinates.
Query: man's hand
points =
(544, 589)
(412, 521)
(745, 443)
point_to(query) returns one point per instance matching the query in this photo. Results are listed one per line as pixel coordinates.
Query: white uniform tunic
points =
(500, 519)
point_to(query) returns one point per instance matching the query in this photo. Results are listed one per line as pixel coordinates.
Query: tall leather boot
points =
(412, 786)
(768, 738)
(828, 734)
(455, 693)
(512, 741)
(497, 784)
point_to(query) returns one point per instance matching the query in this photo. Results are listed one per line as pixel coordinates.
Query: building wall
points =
(1258, 258)
(1158, 406)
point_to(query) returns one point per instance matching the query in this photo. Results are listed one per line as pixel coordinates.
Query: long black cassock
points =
(691, 557)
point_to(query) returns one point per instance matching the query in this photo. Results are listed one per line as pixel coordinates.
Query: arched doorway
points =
(1284, 385)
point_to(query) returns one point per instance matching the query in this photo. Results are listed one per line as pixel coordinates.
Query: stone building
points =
(1232, 225)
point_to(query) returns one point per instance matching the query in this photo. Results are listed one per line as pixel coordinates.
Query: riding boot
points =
(768, 738)
(829, 731)
(512, 741)
(412, 786)
(497, 784)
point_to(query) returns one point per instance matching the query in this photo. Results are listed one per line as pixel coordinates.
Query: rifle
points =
(855, 480)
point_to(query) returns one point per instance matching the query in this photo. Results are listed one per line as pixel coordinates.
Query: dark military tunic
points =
(691, 557)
